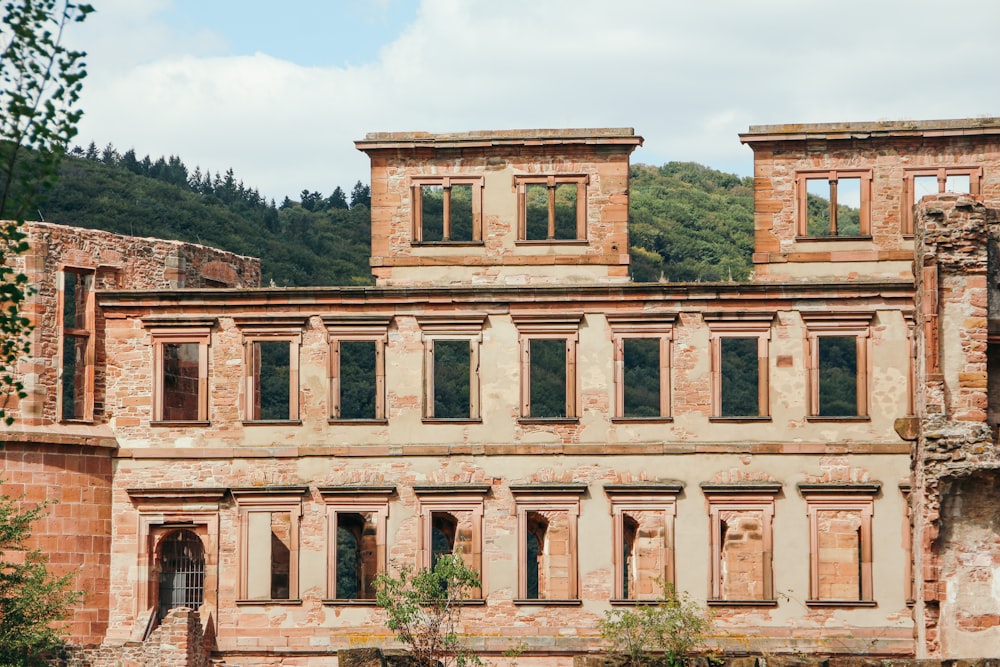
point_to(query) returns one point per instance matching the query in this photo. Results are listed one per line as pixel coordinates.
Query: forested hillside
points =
(687, 222)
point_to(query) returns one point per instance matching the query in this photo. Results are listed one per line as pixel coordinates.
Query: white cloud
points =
(688, 76)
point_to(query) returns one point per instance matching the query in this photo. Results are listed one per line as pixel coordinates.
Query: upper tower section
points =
(515, 207)
(835, 200)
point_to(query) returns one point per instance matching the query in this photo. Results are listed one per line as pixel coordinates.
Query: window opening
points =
(181, 381)
(446, 209)
(537, 529)
(833, 203)
(452, 360)
(742, 542)
(77, 372)
(356, 548)
(551, 208)
(547, 371)
(358, 386)
(922, 181)
(630, 530)
(271, 377)
(740, 368)
(838, 376)
(444, 529)
(182, 572)
(641, 375)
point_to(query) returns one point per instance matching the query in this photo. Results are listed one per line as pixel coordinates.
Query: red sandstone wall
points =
(76, 533)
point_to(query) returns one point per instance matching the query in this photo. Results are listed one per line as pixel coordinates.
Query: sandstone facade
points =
(790, 450)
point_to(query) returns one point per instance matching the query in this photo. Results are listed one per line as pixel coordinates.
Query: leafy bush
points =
(423, 609)
(674, 625)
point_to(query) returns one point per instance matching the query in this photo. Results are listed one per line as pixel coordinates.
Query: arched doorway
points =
(182, 572)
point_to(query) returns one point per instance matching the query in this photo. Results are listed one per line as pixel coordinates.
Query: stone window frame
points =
(163, 511)
(741, 325)
(446, 182)
(270, 330)
(847, 324)
(87, 333)
(638, 326)
(355, 499)
(547, 498)
(373, 328)
(975, 174)
(269, 500)
(453, 498)
(180, 331)
(551, 181)
(641, 497)
(453, 328)
(849, 497)
(745, 497)
(548, 327)
(833, 176)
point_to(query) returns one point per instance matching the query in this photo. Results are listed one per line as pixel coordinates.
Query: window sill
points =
(548, 420)
(841, 603)
(741, 603)
(447, 244)
(179, 423)
(450, 420)
(834, 237)
(359, 602)
(272, 422)
(357, 421)
(740, 420)
(576, 602)
(831, 418)
(248, 603)
(530, 242)
(641, 420)
(628, 602)
(76, 421)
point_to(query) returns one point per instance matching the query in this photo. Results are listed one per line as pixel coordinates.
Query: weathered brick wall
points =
(76, 531)
(955, 460)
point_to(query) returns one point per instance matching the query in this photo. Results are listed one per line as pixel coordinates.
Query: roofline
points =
(606, 136)
(872, 129)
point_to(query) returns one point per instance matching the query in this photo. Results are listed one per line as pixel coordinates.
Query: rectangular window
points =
(271, 365)
(77, 321)
(451, 366)
(838, 364)
(642, 365)
(451, 522)
(547, 517)
(740, 364)
(552, 208)
(834, 203)
(357, 517)
(269, 542)
(180, 367)
(921, 181)
(548, 366)
(643, 519)
(741, 542)
(447, 209)
(840, 539)
(357, 368)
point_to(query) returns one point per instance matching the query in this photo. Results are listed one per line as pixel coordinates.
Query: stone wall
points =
(956, 465)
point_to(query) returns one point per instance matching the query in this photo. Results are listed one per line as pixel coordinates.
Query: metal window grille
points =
(182, 572)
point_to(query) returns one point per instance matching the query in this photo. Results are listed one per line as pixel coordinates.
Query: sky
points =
(280, 91)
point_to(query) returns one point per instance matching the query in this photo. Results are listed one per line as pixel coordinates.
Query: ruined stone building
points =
(811, 453)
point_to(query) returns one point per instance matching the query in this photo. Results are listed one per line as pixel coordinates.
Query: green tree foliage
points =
(328, 245)
(673, 626)
(40, 84)
(423, 607)
(31, 599)
(690, 223)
